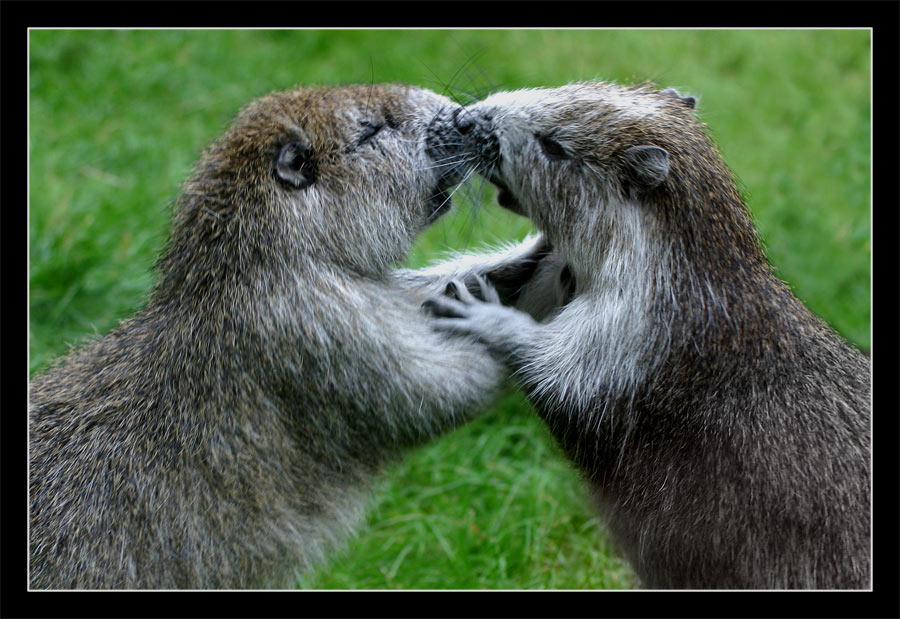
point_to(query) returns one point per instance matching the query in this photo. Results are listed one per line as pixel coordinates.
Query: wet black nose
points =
(463, 121)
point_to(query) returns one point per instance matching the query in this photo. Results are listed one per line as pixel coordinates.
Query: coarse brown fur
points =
(224, 436)
(723, 429)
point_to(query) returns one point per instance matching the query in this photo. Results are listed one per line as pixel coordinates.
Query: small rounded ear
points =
(295, 165)
(647, 165)
(689, 101)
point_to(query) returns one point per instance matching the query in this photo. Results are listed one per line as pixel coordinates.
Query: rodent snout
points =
(467, 119)
(463, 120)
(462, 136)
(479, 138)
(442, 136)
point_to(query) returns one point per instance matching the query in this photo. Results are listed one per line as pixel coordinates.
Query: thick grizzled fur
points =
(225, 435)
(723, 428)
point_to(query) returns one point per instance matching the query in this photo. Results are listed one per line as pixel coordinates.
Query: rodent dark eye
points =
(295, 165)
(369, 131)
(552, 149)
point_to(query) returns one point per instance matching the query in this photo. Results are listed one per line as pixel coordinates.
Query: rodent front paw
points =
(460, 312)
(457, 310)
(475, 288)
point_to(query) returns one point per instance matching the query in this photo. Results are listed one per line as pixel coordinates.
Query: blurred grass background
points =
(117, 118)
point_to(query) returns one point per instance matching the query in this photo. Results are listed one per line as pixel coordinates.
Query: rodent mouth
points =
(505, 198)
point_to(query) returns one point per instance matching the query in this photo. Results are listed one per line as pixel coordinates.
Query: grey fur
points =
(723, 429)
(225, 436)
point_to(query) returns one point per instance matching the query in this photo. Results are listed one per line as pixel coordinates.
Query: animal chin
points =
(505, 198)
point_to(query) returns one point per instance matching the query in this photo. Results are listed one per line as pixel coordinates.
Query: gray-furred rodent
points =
(723, 429)
(225, 435)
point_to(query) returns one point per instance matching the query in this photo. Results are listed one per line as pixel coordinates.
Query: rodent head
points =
(558, 146)
(606, 171)
(587, 161)
(337, 174)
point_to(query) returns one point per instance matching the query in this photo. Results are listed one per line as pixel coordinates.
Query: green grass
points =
(117, 118)
(493, 505)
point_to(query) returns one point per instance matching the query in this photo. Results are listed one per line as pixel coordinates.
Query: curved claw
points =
(445, 307)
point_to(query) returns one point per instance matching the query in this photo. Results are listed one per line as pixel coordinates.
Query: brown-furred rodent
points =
(723, 428)
(225, 435)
